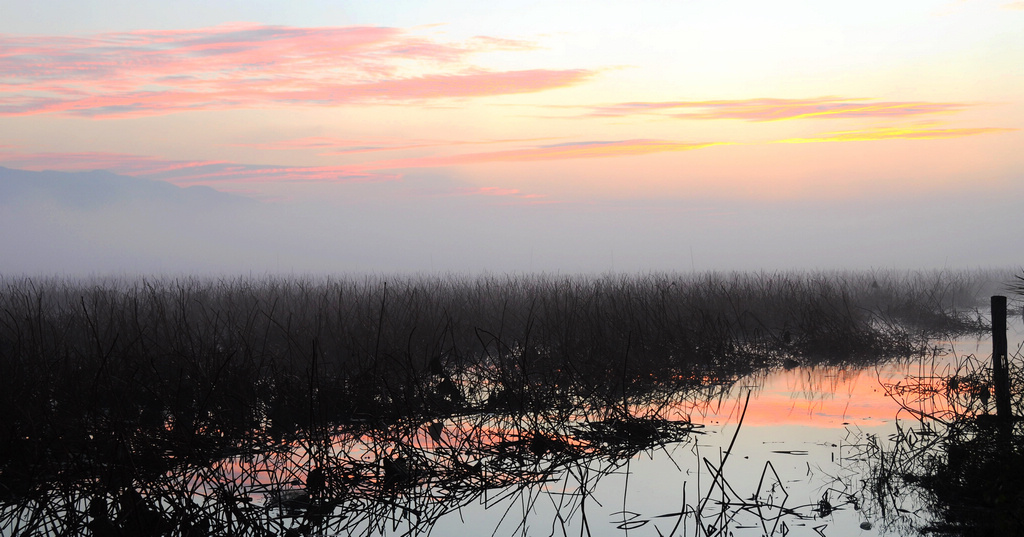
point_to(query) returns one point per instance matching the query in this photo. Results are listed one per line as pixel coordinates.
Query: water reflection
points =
(519, 471)
(960, 462)
(793, 451)
(376, 480)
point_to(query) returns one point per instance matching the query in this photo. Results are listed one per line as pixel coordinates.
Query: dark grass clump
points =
(109, 387)
(973, 474)
(962, 460)
(958, 470)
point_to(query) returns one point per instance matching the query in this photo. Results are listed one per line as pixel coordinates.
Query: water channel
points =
(787, 452)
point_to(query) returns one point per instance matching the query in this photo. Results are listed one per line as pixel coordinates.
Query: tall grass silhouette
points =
(191, 406)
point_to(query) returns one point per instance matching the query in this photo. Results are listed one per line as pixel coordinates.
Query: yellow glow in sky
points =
(574, 103)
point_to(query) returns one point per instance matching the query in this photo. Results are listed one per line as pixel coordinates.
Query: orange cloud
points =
(338, 146)
(247, 66)
(908, 133)
(779, 109)
(572, 150)
(1014, 5)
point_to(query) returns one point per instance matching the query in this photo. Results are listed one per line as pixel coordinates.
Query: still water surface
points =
(787, 452)
(799, 464)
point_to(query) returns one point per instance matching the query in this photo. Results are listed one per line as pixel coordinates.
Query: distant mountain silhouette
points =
(95, 189)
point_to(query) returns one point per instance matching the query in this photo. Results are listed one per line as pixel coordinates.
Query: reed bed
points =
(954, 467)
(151, 406)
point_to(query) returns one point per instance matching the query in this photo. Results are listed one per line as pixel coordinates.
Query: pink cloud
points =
(114, 162)
(247, 65)
(211, 172)
(468, 85)
(230, 176)
(780, 109)
(498, 43)
(572, 150)
(492, 191)
(339, 146)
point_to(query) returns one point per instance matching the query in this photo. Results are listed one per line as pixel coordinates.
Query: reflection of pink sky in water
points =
(808, 422)
(810, 399)
(358, 463)
(830, 398)
(795, 409)
(820, 398)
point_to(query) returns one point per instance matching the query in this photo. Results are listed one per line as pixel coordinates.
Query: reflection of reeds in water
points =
(957, 469)
(376, 480)
(188, 406)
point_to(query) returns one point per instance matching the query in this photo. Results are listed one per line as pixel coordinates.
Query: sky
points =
(465, 136)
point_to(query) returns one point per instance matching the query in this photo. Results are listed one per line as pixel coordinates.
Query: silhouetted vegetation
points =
(956, 459)
(190, 406)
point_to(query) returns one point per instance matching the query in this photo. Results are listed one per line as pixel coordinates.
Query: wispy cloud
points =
(1014, 5)
(186, 173)
(214, 172)
(232, 175)
(326, 145)
(248, 65)
(490, 191)
(507, 196)
(623, 148)
(907, 133)
(236, 177)
(340, 146)
(778, 109)
(571, 150)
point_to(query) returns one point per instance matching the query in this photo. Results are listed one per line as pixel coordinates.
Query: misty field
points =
(261, 406)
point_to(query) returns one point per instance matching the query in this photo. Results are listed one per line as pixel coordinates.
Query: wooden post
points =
(1000, 363)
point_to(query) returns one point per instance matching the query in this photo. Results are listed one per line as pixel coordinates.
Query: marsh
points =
(661, 404)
